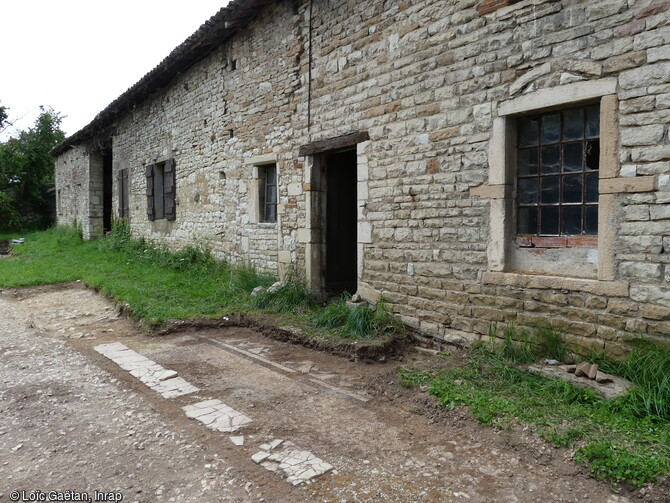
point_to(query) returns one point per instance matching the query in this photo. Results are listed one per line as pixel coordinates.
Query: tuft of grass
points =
(515, 345)
(552, 345)
(624, 441)
(360, 322)
(333, 315)
(292, 296)
(648, 368)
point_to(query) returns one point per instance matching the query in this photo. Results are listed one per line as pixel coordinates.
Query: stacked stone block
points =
(424, 79)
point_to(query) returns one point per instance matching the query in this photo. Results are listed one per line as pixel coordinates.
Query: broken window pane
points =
(592, 154)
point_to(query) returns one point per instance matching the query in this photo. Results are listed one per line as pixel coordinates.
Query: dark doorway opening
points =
(107, 190)
(341, 222)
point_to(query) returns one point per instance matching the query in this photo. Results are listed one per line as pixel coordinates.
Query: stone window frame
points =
(258, 164)
(501, 188)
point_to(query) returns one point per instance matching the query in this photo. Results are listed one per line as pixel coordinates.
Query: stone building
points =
(472, 161)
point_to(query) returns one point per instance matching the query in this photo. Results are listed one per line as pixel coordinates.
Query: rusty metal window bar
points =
(558, 155)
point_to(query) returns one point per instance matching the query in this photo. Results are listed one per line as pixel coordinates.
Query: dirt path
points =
(70, 418)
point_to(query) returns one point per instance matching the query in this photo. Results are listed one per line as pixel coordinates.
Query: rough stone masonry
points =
(430, 98)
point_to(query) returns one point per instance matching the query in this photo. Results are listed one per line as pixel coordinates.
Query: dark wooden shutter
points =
(119, 185)
(149, 172)
(125, 206)
(169, 184)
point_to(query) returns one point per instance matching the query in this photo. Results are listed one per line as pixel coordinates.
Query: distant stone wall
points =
(73, 189)
(233, 107)
(438, 86)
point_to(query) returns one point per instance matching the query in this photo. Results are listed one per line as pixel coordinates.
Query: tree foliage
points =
(27, 172)
(3, 117)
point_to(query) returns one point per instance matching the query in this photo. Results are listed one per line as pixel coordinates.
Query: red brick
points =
(582, 241)
(549, 241)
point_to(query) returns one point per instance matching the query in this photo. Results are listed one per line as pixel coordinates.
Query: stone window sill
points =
(541, 281)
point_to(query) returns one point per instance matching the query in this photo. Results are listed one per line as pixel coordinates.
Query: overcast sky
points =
(77, 56)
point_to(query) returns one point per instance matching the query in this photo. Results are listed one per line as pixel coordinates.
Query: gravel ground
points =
(71, 419)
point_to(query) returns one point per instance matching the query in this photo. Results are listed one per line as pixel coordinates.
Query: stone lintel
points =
(628, 184)
(261, 159)
(491, 191)
(347, 140)
(558, 96)
(595, 287)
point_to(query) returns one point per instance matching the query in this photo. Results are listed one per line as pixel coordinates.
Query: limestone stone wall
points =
(72, 189)
(438, 87)
(231, 108)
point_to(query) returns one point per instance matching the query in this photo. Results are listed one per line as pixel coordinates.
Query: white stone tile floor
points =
(164, 381)
(298, 465)
(217, 415)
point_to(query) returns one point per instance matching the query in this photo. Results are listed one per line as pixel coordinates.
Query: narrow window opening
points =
(267, 178)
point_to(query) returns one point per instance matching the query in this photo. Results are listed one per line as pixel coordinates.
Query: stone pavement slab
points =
(152, 374)
(217, 415)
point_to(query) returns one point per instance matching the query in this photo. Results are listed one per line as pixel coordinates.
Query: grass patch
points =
(625, 440)
(160, 285)
(360, 322)
(648, 366)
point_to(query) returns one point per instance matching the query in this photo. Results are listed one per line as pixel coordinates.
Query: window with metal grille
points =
(557, 172)
(268, 192)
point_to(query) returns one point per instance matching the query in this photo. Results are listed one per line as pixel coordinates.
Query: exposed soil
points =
(272, 327)
(82, 423)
